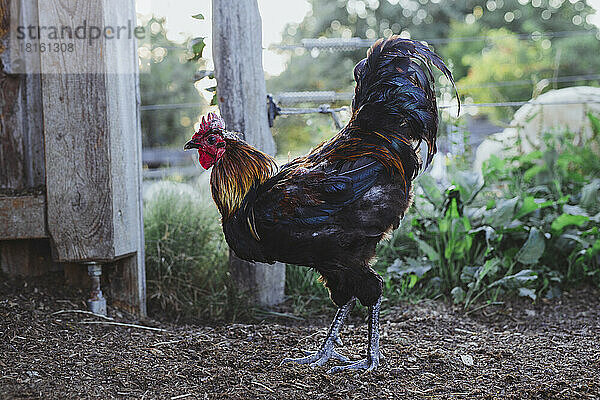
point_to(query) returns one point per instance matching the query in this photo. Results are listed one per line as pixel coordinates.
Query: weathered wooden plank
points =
(21, 135)
(125, 133)
(128, 285)
(242, 94)
(125, 290)
(21, 152)
(93, 144)
(237, 53)
(77, 148)
(23, 217)
(92, 160)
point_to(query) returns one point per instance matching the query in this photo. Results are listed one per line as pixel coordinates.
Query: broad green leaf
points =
(534, 155)
(590, 194)
(533, 248)
(490, 233)
(198, 16)
(595, 249)
(575, 238)
(530, 205)
(526, 292)
(426, 248)
(452, 211)
(197, 45)
(458, 294)
(408, 266)
(469, 184)
(490, 266)
(565, 220)
(468, 273)
(431, 190)
(503, 213)
(412, 281)
(532, 172)
(520, 279)
(492, 165)
(574, 210)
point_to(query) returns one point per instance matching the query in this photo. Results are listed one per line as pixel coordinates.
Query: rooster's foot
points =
(318, 358)
(368, 364)
(374, 356)
(327, 350)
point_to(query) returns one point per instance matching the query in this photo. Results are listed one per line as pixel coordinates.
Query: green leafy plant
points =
(529, 227)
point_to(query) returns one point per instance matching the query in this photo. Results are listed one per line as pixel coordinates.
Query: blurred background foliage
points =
(485, 42)
(167, 77)
(484, 46)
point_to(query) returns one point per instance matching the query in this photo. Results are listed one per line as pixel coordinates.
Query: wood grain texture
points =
(237, 54)
(77, 142)
(93, 147)
(21, 156)
(23, 217)
(241, 91)
(21, 136)
(129, 283)
(92, 137)
(124, 288)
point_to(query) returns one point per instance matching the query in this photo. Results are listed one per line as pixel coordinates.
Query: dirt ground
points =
(549, 350)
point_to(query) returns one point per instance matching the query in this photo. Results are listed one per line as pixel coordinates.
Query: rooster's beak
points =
(191, 145)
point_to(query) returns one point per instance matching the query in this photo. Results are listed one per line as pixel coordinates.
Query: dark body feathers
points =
(329, 209)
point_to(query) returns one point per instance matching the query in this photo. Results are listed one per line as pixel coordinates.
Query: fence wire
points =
(355, 43)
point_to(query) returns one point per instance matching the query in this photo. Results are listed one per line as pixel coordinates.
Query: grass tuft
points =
(186, 257)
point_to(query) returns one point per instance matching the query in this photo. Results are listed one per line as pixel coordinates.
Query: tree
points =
(466, 21)
(423, 19)
(167, 77)
(505, 59)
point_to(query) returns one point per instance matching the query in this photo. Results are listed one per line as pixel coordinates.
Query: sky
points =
(275, 15)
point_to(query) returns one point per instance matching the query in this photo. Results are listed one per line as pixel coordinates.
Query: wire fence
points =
(330, 96)
(178, 164)
(356, 43)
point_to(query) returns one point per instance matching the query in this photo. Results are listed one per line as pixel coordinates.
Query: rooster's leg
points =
(327, 350)
(373, 355)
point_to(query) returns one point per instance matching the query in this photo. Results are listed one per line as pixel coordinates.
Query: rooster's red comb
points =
(211, 121)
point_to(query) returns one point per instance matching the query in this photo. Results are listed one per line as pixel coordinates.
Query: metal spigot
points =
(96, 303)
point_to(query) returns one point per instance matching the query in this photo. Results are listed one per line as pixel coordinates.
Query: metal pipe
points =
(97, 302)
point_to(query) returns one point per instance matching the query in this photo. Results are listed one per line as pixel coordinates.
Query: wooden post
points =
(70, 155)
(93, 144)
(242, 94)
(22, 173)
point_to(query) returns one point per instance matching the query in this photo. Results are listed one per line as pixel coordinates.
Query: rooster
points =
(328, 209)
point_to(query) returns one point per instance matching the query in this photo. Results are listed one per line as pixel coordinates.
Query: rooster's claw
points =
(318, 358)
(368, 364)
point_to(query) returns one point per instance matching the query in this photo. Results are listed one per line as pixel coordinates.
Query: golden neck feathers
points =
(241, 167)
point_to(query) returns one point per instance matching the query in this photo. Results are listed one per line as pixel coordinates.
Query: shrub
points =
(186, 256)
(529, 227)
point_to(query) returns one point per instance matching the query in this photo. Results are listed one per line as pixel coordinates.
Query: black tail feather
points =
(395, 95)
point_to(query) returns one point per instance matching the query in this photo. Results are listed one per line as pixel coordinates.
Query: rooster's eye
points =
(211, 140)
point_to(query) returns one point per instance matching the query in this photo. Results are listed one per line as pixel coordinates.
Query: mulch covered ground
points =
(521, 351)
